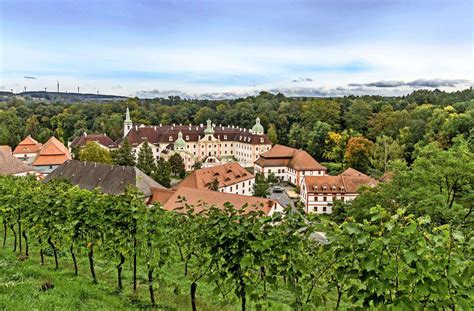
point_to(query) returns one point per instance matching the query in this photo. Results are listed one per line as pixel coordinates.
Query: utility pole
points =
(57, 83)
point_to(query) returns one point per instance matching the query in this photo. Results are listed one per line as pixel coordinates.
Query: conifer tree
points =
(146, 161)
(124, 155)
(163, 173)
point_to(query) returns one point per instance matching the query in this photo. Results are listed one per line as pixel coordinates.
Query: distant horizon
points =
(229, 49)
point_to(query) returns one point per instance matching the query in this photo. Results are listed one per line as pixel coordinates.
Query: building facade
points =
(288, 164)
(209, 144)
(318, 193)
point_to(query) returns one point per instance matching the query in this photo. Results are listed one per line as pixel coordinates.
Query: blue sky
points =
(227, 48)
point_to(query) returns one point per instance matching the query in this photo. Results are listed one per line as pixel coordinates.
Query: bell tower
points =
(127, 124)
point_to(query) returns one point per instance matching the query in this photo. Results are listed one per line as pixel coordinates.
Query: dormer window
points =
(170, 138)
(187, 137)
(325, 188)
(225, 137)
(261, 140)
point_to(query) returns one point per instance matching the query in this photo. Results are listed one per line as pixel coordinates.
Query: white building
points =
(288, 164)
(318, 193)
(209, 144)
(227, 178)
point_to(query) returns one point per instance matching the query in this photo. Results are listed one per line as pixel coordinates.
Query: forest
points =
(363, 132)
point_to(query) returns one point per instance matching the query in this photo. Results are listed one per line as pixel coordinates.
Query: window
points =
(325, 199)
(230, 188)
(210, 138)
(324, 209)
(170, 138)
(187, 137)
(269, 171)
(225, 137)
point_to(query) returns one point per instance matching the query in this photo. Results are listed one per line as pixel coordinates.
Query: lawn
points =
(25, 285)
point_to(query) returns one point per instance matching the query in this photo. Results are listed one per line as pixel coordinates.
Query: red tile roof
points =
(52, 153)
(6, 149)
(27, 145)
(173, 199)
(162, 134)
(353, 173)
(102, 139)
(227, 174)
(296, 159)
(337, 184)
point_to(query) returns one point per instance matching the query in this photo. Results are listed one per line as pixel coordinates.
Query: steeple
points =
(127, 124)
(209, 129)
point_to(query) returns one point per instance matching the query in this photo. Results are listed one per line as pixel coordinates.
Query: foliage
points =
(261, 187)
(163, 172)
(146, 161)
(124, 155)
(177, 165)
(93, 152)
(358, 153)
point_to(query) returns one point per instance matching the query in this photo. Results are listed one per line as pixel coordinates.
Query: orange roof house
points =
(176, 199)
(52, 153)
(27, 146)
(288, 164)
(226, 174)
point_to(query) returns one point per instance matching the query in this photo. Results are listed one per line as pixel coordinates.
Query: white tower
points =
(127, 124)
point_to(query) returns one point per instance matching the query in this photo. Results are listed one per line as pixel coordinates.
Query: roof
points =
(353, 173)
(192, 133)
(337, 184)
(6, 149)
(172, 199)
(387, 177)
(111, 179)
(227, 174)
(10, 165)
(53, 152)
(296, 159)
(27, 145)
(101, 139)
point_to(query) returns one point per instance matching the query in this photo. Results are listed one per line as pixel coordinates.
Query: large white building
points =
(318, 193)
(209, 144)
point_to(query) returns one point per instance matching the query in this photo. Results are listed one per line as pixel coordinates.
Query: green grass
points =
(21, 282)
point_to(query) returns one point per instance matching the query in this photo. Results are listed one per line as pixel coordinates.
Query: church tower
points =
(127, 124)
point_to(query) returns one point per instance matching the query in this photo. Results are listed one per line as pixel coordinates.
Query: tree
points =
(317, 139)
(197, 165)
(386, 149)
(92, 152)
(124, 155)
(146, 161)
(163, 172)
(261, 187)
(358, 153)
(177, 164)
(272, 133)
(358, 115)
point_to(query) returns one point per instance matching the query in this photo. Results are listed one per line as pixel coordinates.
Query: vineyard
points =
(240, 258)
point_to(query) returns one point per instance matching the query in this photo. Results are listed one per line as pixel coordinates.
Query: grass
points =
(21, 282)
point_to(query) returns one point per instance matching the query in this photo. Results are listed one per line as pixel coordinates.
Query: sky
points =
(229, 48)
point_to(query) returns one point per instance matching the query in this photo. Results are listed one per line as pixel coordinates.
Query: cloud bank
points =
(420, 83)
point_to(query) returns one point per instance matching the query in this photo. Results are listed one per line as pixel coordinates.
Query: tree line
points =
(360, 131)
(405, 244)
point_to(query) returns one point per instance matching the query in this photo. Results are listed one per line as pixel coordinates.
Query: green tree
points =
(146, 161)
(177, 165)
(317, 139)
(124, 155)
(272, 133)
(261, 187)
(92, 152)
(163, 173)
(358, 115)
(213, 185)
(386, 149)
